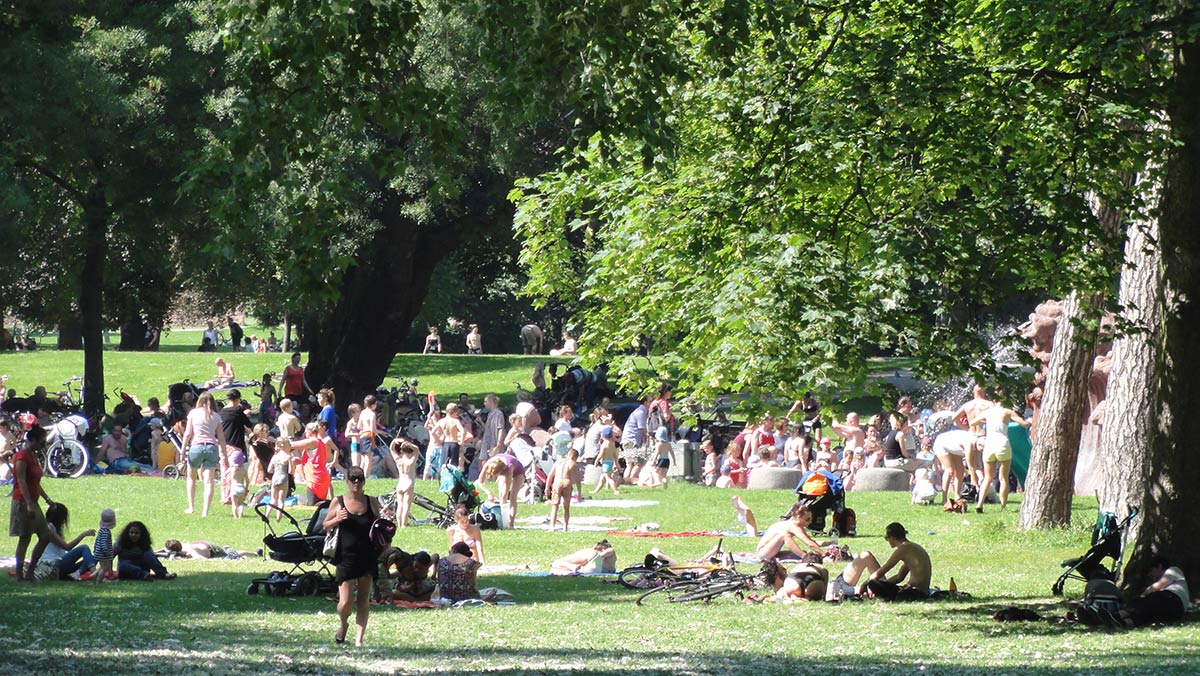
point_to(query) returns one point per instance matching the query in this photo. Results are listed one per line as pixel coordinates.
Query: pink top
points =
(204, 426)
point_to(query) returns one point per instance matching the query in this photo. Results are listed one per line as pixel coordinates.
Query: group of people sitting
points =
(942, 448)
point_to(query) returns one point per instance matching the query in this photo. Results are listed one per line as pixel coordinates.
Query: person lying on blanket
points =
(601, 558)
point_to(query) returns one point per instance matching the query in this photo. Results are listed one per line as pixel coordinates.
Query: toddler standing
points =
(237, 482)
(279, 470)
(102, 548)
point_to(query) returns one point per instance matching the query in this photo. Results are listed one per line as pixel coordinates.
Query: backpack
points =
(846, 522)
(654, 421)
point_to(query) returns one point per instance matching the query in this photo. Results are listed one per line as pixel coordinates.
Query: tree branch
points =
(38, 167)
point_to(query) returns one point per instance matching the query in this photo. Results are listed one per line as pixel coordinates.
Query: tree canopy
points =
(849, 177)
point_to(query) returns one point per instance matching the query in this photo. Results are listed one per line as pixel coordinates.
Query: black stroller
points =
(1107, 541)
(303, 549)
(822, 492)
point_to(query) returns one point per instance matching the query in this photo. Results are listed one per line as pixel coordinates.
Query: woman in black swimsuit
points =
(352, 514)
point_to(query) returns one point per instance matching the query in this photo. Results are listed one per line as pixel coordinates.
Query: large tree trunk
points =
(91, 299)
(352, 345)
(70, 334)
(1050, 483)
(133, 327)
(1147, 455)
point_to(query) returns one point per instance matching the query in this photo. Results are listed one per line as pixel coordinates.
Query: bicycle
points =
(654, 573)
(704, 590)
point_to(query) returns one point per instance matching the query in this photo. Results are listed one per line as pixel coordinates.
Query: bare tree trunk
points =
(91, 299)
(1050, 483)
(1147, 455)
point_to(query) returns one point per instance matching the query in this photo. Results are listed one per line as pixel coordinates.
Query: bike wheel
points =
(707, 591)
(667, 593)
(639, 577)
(67, 458)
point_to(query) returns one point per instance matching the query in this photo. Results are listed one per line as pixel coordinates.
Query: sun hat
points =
(108, 519)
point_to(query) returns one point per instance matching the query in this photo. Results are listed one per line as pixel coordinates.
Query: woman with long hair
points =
(25, 516)
(357, 564)
(204, 440)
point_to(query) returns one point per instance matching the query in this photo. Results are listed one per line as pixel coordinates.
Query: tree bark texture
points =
(352, 346)
(1148, 458)
(91, 299)
(70, 334)
(1050, 483)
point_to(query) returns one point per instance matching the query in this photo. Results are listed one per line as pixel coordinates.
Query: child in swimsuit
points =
(607, 461)
(560, 481)
(279, 469)
(406, 455)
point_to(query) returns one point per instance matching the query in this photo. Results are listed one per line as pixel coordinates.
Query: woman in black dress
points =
(352, 514)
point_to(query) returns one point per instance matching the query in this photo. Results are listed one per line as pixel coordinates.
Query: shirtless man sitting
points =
(851, 431)
(601, 558)
(913, 564)
(782, 535)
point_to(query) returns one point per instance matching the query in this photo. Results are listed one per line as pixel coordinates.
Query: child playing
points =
(560, 481)
(577, 443)
(663, 454)
(260, 442)
(279, 470)
(712, 463)
(356, 460)
(433, 454)
(238, 479)
(102, 548)
(406, 455)
(607, 462)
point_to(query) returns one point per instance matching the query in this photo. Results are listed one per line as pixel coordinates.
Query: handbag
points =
(381, 533)
(329, 550)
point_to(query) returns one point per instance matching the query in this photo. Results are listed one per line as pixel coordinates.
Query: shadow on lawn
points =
(306, 656)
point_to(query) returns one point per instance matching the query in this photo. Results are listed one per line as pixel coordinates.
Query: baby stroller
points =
(310, 574)
(823, 491)
(458, 491)
(1107, 537)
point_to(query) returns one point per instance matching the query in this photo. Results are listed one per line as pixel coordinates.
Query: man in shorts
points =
(909, 583)
(633, 440)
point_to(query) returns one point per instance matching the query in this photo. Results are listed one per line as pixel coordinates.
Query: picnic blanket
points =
(662, 534)
(615, 503)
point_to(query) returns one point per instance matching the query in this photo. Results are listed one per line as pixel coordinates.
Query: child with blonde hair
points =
(560, 481)
(406, 455)
(279, 471)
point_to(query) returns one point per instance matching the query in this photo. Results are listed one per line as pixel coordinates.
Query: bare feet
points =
(189, 510)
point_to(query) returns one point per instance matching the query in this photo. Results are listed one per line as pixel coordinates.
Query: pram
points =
(1107, 537)
(310, 574)
(823, 491)
(458, 491)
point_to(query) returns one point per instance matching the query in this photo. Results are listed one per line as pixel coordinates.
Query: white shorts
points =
(996, 448)
(952, 442)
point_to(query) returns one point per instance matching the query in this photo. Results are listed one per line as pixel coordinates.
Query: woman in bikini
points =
(462, 531)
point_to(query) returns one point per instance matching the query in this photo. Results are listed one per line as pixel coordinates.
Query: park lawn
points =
(148, 374)
(204, 622)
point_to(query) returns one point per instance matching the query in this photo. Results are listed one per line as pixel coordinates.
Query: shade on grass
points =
(204, 622)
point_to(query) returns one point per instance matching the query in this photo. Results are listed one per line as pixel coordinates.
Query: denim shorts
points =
(203, 456)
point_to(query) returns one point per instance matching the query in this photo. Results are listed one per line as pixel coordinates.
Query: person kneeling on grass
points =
(913, 564)
(781, 536)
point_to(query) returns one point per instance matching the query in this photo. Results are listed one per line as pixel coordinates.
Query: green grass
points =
(148, 374)
(204, 622)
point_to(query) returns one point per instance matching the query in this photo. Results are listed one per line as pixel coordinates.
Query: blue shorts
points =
(607, 466)
(202, 456)
(353, 448)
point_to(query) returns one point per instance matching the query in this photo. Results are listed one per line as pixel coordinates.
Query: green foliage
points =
(852, 177)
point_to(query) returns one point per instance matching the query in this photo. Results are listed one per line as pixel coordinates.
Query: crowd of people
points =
(288, 449)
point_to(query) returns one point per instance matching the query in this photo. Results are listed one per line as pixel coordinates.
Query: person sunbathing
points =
(781, 536)
(910, 583)
(600, 558)
(201, 549)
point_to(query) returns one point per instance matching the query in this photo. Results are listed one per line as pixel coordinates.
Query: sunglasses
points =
(356, 479)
